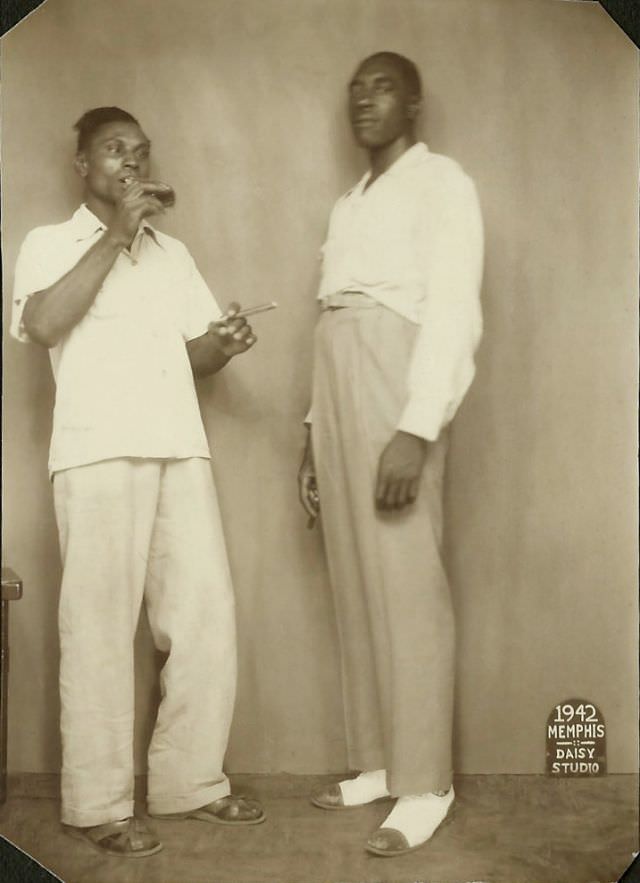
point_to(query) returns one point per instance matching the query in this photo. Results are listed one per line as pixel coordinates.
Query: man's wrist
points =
(115, 241)
(415, 438)
(216, 344)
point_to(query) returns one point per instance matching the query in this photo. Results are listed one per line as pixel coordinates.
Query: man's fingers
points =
(412, 493)
(392, 496)
(385, 493)
(396, 497)
(308, 493)
(399, 470)
(311, 493)
(403, 496)
(133, 192)
(228, 325)
(243, 333)
(232, 309)
(220, 328)
(245, 336)
(132, 189)
(240, 331)
(311, 511)
(395, 493)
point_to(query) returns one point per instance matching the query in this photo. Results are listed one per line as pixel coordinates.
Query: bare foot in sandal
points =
(229, 810)
(127, 838)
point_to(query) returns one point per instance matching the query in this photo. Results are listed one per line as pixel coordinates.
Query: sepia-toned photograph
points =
(319, 442)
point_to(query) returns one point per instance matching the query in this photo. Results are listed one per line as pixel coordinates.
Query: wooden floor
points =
(505, 829)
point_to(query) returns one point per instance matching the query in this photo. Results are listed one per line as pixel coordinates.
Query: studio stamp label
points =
(576, 740)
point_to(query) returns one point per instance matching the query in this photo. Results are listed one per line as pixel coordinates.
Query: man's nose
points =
(130, 161)
(364, 98)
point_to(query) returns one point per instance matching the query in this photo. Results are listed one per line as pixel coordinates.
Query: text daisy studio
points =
(576, 740)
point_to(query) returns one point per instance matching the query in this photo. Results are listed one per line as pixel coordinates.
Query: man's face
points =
(381, 109)
(116, 151)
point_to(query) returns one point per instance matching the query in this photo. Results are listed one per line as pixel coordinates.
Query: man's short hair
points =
(91, 121)
(406, 68)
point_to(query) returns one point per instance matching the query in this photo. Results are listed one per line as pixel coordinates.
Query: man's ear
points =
(413, 107)
(80, 164)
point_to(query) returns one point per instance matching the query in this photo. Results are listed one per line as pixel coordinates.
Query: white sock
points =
(364, 788)
(418, 816)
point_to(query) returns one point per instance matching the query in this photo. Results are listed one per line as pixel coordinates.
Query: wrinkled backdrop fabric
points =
(244, 101)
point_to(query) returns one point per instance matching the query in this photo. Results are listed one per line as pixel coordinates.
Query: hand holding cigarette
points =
(233, 313)
(232, 332)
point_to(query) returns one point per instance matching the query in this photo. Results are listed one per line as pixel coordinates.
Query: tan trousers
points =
(392, 600)
(133, 530)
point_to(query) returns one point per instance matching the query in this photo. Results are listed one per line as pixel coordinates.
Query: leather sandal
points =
(229, 810)
(127, 838)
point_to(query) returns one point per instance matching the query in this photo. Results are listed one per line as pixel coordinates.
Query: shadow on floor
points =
(505, 829)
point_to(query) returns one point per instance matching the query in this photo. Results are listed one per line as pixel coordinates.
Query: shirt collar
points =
(411, 157)
(85, 225)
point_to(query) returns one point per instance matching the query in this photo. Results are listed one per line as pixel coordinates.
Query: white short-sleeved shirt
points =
(124, 385)
(413, 241)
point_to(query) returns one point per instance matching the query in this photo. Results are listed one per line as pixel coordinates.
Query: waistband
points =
(342, 299)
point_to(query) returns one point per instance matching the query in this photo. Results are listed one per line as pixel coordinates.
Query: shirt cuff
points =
(17, 329)
(422, 419)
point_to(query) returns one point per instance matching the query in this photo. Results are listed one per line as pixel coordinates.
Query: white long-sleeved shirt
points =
(413, 241)
(124, 385)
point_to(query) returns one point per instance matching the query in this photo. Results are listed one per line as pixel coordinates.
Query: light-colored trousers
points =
(132, 530)
(392, 600)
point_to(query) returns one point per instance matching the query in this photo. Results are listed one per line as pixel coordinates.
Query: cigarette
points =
(250, 311)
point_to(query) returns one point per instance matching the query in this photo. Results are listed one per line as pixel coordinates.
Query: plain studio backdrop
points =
(244, 101)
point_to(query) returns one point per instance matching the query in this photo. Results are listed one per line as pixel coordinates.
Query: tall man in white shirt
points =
(128, 321)
(394, 356)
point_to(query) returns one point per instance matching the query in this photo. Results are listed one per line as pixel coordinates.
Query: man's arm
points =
(442, 364)
(51, 313)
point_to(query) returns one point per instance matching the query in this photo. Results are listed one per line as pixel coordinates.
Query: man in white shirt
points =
(394, 356)
(128, 321)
